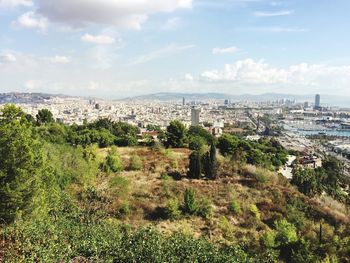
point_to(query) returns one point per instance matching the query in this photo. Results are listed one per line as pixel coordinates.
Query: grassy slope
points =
(138, 198)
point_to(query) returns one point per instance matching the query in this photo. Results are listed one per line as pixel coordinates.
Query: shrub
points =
(124, 209)
(286, 232)
(262, 175)
(113, 162)
(172, 210)
(269, 239)
(196, 143)
(205, 208)
(254, 211)
(235, 207)
(227, 228)
(136, 163)
(190, 204)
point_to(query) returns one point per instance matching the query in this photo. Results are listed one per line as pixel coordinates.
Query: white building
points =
(195, 112)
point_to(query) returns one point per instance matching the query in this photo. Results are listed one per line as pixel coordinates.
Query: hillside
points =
(93, 193)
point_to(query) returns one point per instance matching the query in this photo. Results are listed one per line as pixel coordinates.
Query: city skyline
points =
(254, 47)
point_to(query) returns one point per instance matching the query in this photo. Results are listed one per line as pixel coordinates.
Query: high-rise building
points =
(195, 112)
(227, 102)
(183, 101)
(317, 101)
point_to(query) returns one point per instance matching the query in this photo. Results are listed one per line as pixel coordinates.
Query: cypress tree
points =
(210, 163)
(195, 166)
(213, 161)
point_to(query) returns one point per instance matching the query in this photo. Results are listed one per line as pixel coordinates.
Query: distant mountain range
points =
(327, 100)
(163, 96)
(21, 97)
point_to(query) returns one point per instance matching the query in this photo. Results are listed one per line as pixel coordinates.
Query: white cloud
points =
(120, 13)
(6, 57)
(247, 71)
(60, 60)
(227, 50)
(173, 23)
(169, 50)
(258, 73)
(189, 77)
(31, 20)
(275, 13)
(14, 3)
(99, 39)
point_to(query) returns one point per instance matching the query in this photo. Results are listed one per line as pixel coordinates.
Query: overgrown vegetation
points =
(68, 194)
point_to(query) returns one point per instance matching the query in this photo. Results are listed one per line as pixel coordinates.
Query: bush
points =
(135, 163)
(172, 210)
(190, 204)
(262, 175)
(269, 239)
(196, 143)
(113, 162)
(286, 233)
(205, 208)
(235, 207)
(124, 209)
(254, 210)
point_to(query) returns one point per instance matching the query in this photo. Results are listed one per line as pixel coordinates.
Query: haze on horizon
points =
(122, 48)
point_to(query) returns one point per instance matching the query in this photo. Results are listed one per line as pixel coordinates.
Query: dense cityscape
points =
(306, 127)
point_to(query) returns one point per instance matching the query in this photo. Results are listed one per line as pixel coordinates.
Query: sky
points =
(122, 48)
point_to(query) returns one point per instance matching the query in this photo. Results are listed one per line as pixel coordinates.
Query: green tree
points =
(211, 163)
(227, 144)
(195, 166)
(334, 175)
(151, 127)
(104, 138)
(11, 112)
(21, 165)
(198, 131)
(196, 143)
(307, 181)
(176, 134)
(286, 238)
(190, 203)
(126, 140)
(44, 116)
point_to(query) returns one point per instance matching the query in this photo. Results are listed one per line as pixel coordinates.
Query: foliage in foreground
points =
(67, 239)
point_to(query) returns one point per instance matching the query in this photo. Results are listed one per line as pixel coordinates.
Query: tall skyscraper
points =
(195, 112)
(183, 101)
(317, 101)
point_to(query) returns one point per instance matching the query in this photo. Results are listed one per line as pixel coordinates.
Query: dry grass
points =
(150, 191)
